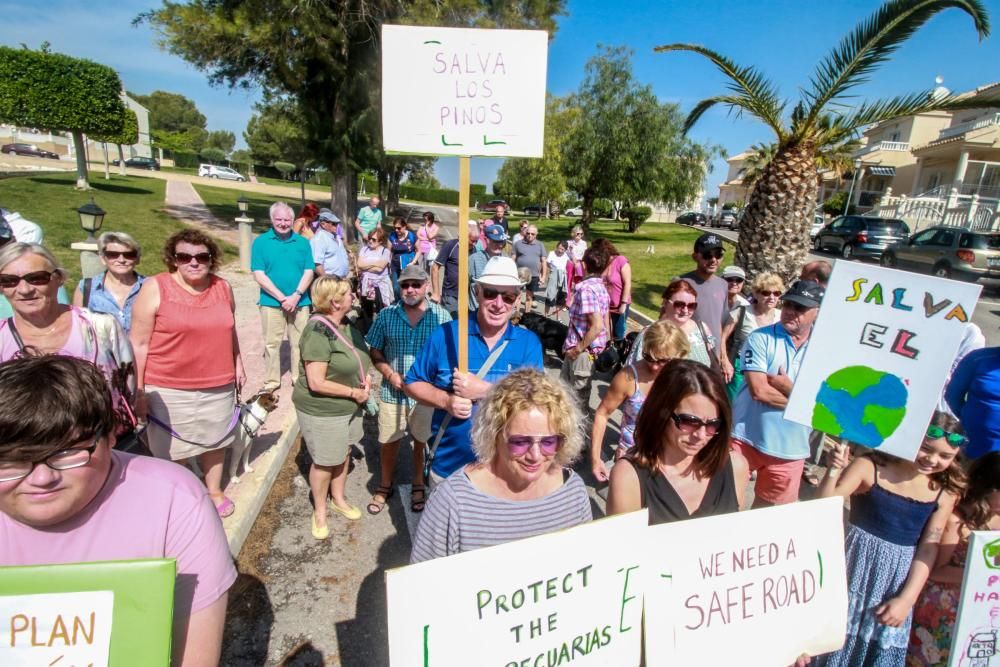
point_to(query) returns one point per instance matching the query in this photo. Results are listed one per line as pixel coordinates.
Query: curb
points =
(267, 466)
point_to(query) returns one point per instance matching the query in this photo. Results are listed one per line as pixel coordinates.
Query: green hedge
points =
(186, 159)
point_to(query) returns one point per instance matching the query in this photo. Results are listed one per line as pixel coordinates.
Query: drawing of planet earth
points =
(860, 404)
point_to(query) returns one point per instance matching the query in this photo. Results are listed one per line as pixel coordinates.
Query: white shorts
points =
(396, 419)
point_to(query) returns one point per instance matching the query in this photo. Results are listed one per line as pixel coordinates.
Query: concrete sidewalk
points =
(270, 448)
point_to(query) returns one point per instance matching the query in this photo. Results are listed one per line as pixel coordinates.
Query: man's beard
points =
(412, 300)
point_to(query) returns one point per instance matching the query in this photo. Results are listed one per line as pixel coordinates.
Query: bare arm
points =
(761, 390)
(268, 285)
(436, 280)
(374, 265)
(624, 494)
(741, 473)
(626, 286)
(620, 389)
(845, 479)
(143, 318)
(316, 378)
(241, 374)
(380, 363)
(78, 297)
(198, 642)
(944, 572)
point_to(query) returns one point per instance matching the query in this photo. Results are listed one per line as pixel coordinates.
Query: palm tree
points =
(774, 232)
(755, 163)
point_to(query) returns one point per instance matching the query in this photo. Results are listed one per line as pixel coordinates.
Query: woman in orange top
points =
(188, 359)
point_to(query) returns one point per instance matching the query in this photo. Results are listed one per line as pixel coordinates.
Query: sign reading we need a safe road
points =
(463, 91)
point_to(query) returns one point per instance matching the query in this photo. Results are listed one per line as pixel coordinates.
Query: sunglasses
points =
(519, 445)
(489, 294)
(689, 424)
(410, 285)
(797, 307)
(115, 254)
(36, 278)
(734, 280)
(953, 439)
(185, 258)
(712, 254)
(650, 359)
(681, 305)
(767, 293)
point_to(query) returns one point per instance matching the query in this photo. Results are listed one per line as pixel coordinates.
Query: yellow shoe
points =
(319, 533)
(352, 512)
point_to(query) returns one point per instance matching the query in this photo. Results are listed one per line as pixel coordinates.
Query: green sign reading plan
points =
(108, 614)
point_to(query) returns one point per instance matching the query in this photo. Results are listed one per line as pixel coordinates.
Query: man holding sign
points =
(774, 447)
(67, 497)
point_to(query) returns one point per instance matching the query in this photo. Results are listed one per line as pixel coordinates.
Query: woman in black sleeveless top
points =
(681, 466)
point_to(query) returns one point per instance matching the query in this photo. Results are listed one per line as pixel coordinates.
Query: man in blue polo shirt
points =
(774, 447)
(433, 379)
(329, 253)
(282, 265)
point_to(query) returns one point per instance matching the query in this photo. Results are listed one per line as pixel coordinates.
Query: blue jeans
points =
(618, 323)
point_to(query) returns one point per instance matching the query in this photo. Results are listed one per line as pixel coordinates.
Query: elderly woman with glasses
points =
(188, 359)
(760, 311)
(373, 268)
(680, 302)
(630, 387)
(525, 434)
(30, 278)
(115, 290)
(681, 466)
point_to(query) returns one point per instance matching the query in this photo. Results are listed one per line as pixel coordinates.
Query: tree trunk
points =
(774, 232)
(107, 163)
(588, 212)
(81, 161)
(302, 186)
(121, 160)
(344, 196)
(392, 193)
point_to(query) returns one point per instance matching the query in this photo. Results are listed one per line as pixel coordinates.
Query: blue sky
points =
(785, 38)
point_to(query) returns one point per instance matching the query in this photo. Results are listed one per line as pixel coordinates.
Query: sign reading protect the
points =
(463, 91)
(56, 629)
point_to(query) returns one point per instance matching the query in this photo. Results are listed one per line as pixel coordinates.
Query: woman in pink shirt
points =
(188, 359)
(426, 240)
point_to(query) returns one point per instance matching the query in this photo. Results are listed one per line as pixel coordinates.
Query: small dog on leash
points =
(253, 414)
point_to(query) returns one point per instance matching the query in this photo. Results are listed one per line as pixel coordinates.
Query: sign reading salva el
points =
(975, 640)
(56, 629)
(462, 91)
(753, 588)
(879, 355)
(567, 598)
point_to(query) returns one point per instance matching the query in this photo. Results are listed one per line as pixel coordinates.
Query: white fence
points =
(955, 210)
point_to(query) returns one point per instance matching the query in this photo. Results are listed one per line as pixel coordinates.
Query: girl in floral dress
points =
(899, 510)
(934, 613)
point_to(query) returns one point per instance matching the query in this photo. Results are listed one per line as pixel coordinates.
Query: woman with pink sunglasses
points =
(679, 305)
(526, 433)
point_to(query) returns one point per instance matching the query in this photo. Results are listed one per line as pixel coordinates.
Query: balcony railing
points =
(962, 128)
(898, 146)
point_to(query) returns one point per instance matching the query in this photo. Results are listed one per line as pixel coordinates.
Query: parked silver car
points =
(947, 252)
(225, 173)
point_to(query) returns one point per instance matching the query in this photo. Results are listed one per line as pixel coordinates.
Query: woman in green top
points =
(332, 387)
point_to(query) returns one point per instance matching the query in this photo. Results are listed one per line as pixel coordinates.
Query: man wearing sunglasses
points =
(713, 295)
(496, 240)
(496, 348)
(67, 497)
(774, 447)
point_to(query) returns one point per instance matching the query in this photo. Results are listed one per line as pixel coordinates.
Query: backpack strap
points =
(88, 284)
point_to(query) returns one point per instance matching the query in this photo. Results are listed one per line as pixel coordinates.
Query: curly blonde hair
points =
(767, 282)
(667, 339)
(519, 392)
(327, 291)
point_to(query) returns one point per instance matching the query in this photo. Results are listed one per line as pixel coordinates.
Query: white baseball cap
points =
(500, 271)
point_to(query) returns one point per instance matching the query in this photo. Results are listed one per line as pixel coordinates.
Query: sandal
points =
(375, 507)
(415, 504)
(226, 507)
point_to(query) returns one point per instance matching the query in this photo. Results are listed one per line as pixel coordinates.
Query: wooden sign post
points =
(463, 92)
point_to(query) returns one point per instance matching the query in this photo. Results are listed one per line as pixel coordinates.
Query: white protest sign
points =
(570, 596)
(56, 629)
(879, 355)
(462, 91)
(753, 588)
(975, 639)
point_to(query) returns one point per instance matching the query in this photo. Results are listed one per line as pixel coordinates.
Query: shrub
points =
(636, 215)
(213, 154)
(186, 159)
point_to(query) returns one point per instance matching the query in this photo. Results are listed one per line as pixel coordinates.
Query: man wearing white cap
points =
(496, 348)
(329, 253)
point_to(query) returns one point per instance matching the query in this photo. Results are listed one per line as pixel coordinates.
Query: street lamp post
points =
(246, 235)
(91, 219)
(854, 179)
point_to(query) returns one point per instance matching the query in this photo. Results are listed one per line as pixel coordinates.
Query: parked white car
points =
(225, 173)
(819, 222)
(574, 212)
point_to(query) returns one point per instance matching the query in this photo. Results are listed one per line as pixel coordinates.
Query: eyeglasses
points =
(689, 424)
(769, 293)
(650, 359)
(36, 278)
(953, 439)
(734, 280)
(65, 459)
(115, 254)
(489, 294)
(519, 445)
(185, 258)
(712, 254)
(410, 285)
(681, 305)
(797, 307)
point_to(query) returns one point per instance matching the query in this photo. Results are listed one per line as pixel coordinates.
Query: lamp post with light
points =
(854, 179)
(91, 219)
(246, 235)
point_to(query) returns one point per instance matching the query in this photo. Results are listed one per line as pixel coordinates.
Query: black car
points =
(692, 218)
(28, 149)
(140, 163)
(534, 209)
(860, 236)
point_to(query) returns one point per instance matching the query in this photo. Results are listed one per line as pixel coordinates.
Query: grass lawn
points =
(133, 205)
(650, 273)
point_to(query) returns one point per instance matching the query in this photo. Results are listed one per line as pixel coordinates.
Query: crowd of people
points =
(136, 361)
